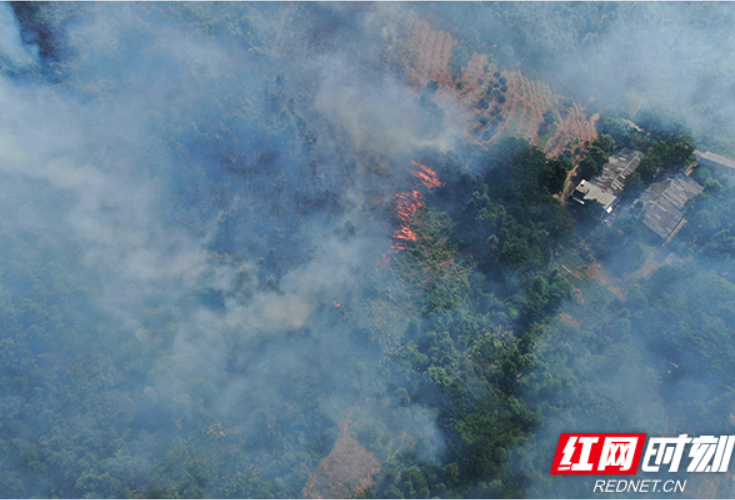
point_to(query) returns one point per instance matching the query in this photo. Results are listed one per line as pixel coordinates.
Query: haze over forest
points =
(327, 250)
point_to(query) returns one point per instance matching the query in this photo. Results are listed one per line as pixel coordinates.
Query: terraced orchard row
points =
(491, 102)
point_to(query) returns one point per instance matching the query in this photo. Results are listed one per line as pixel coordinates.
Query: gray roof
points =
(663, 203)
(614, 172)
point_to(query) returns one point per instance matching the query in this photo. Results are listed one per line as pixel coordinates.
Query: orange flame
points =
(405, 233)
(428, 176)
(408, 204)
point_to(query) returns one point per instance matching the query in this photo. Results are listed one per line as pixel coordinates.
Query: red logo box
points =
(589, 453)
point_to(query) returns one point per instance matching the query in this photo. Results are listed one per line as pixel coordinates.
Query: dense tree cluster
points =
(595, 157)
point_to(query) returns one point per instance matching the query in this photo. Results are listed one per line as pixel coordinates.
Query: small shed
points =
(587, 191)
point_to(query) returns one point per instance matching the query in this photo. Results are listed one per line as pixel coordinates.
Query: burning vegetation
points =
(428, 176)
(410, 202)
